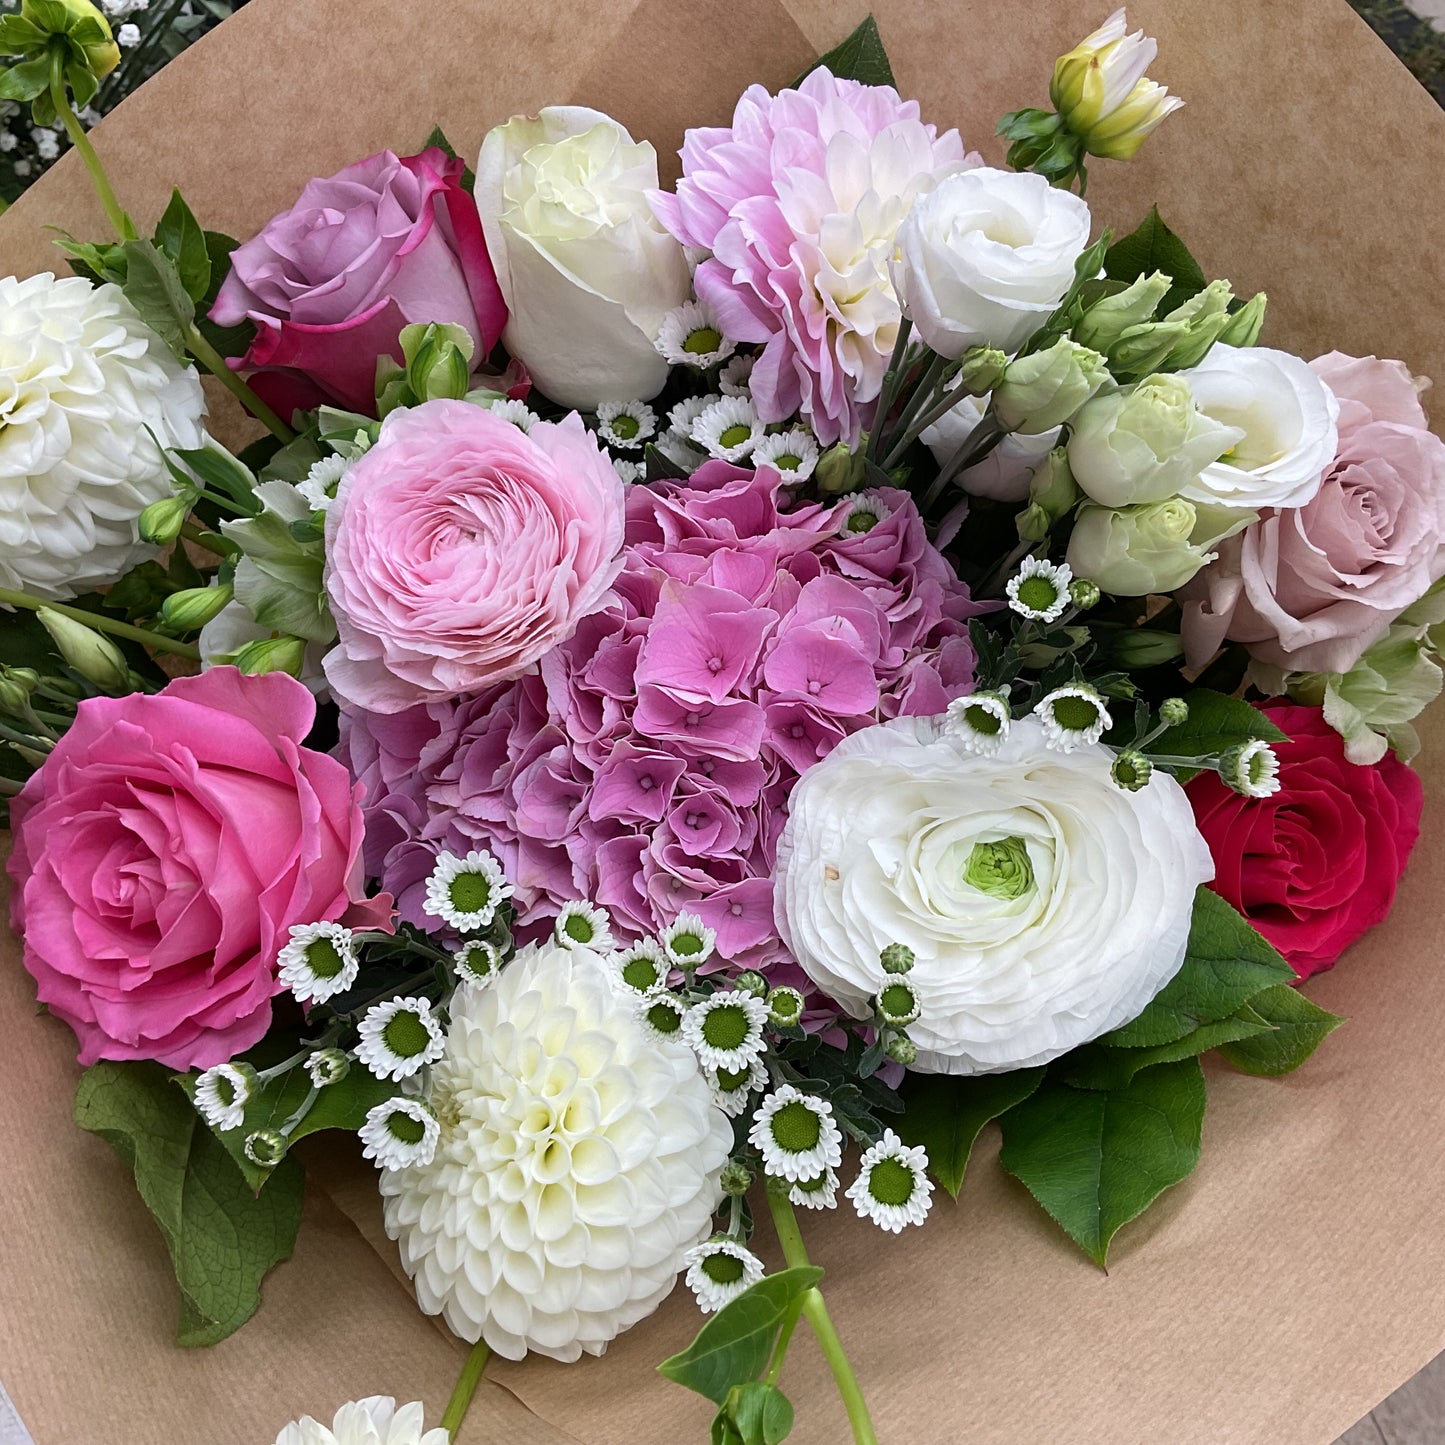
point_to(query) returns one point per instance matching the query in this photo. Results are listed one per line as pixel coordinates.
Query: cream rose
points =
(1044, 904)
(586, 271)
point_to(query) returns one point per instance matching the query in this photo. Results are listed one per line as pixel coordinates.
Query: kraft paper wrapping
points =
(1273, 1298)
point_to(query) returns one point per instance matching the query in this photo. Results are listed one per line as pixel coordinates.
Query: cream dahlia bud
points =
(87, 390)
(641, 1175)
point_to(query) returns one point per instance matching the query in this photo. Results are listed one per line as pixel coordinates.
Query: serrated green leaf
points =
(946, 1112)
(1227, 963)
(103, 262)
(1095, 1159)
(1103, 1065)
(734, 1346)
(179, 236)
(1154, 247)
(153, 285)
(860, 57)
(1215, 722)
(1293, 1029)
(222, 1238)
(754, 1413)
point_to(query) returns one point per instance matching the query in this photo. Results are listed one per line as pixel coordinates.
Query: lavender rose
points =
(460, 549)
(330, 283)
(1308, 589)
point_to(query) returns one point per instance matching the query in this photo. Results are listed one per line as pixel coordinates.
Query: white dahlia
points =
(578, 1163)
(377, 1420)
(83, 384)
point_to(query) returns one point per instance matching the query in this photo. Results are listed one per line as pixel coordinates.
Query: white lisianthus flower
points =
(578, 1162)
(1137, 550)
(986, 256)
(587, 273)
(84, 383)
(1043, 904)
(1287, 416)
(1004, 474)
(377, 1420)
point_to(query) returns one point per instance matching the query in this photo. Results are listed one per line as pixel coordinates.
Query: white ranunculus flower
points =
(578, 1162)
(83, 383)
(1287, 415)
(1004, 473)
(986, 256)
(1044, 904)
(376, 1420)
(587, 272)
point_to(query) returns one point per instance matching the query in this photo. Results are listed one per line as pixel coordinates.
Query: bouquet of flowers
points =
(698, 703)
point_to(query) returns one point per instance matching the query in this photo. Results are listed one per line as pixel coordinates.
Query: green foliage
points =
(222, 1238)
(1215, 722)
(860, 57)
(1104, 1065)
(1154, 247)
(154, 287)
(1292, 1028)
(754, 1413)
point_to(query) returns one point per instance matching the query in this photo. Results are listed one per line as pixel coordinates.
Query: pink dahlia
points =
(799, 202)
(646, 764)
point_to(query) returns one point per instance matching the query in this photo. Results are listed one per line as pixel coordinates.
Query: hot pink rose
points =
(331, 283)
(1309, 589)
(163, 852)
(461, 549)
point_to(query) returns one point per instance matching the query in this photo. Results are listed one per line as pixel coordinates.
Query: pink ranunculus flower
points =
(1308, 589)
(163, 852)
(331, 282)
(460, 549)
(799, 202)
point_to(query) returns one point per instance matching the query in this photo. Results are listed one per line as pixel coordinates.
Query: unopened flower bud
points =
(35, 756)
(982, 368)
(192, 608)
(272, 654)
(438, 360)
(1174, 712)
(265, 1148)
(751, 981)
(26, 677)
(785, 1007)
(736, 1178)
(901, 1049)
(161, 522)
(896, 958)
(1142, 647)
(13, 697)
(95, 657)
(839, 471)
(1083, 594)
(328, 1066)
(1106, 320)
(84, 26)
(1044, 389)
(1244, 325)
(1142, 350)
(1206, 315)
(1131, 771)
(1250, 768)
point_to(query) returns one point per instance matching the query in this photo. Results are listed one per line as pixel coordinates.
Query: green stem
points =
(215, 363)
(891, 379)
(467, 1383)
(785, 1335)
(99, 623)
(120, 223)
(924, 392)
(214, 543)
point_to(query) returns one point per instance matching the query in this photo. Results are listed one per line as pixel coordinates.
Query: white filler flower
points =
(83, 384)
(377, 1420)
(892, 1188)
(719, 1271)
(1044, 905)
(578, 1163)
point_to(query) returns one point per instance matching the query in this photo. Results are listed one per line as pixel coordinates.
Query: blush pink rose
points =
(163, 852)
(331, 282)
(1308, 589)
(461, 549)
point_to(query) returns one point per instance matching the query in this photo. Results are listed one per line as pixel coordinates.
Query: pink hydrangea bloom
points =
(646, 764)
(799, 201)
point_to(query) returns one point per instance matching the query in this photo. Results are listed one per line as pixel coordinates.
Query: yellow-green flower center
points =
(405, 1035)
(401, 1126)
(579, 929)
(323, 958)
(686, 944)
(730, 1081)
(470, 892)
(891, 1182)
(625, 426)
(1076, 714)
(897, 1000)
(726, 1027)
(641, 973)
(664, 1018)
(982, 720)
(796, 1128)
(702, 342)
(735, 435)
(1037, 593)
(1002, 869)
(722, 1268)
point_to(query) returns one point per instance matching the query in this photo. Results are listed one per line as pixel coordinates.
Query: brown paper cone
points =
(1272, 1299)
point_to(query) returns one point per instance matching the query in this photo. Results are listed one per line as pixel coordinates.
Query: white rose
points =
(1044, 904)
(1287, 415)
(985, 257)
(586, 271)
(84, 383)
(1004, 473)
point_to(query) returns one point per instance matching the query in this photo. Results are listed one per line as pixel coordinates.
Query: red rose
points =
(1316, 865)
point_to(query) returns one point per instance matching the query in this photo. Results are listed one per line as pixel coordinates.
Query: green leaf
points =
(341, 1105)
(103, 262)
(26, 80)
(179, 236)
(1154, 247)
(1215, 722)
(222, 1238)
(734, 1346)
(860, 57)
(1095, 1159)
(438, 138)
(659, 467)
(945, 1113)
(215, 466)
(1295, 1028)
(50, 15)
(1103, 1065)
(755, 1413)
(154, 287)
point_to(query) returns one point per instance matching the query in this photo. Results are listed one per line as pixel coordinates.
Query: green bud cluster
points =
(436, 365)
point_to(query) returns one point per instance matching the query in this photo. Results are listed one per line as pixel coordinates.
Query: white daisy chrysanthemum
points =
(523, 1139)
(318, 486)
(663, 1014)
(732, 380)
(400, 1131)
(796, 1135)
(325, 1067)
(398, 1037)
(1073, 717)
(1251, 768)
(680, 449)
(892, 1188)
(688, 941)
(980, 722)
(466, 892)
(729, 428)
(726, 1029)
(366, 1422)
(478, 962)
(898, 1003)
(718, 1271)
(584, 925)
(818, 1192)
(1039, 590)
(862, 512)
(733, 1089)
(682, 417)
(641, 967)
(793, 454)
(785, 1006)
(517, 412)
(690, 336)
(265, 1148)
(628, 472)
(626, 424)
(222, 1093)
(318, 962)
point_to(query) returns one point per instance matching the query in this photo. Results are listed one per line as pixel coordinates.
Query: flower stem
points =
(785, 1222)
(467, 1383)
(215, 363)
(892, 378)
(99, 623)
(120, 223)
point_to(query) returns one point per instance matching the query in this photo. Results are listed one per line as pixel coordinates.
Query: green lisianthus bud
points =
(1106, 320)
(27, 677)
(839, 471)
(1244, 325)
(1206, 314)
(982, 368)
(1142, 647)
(272, 654)
(35, 756)
(13, 697)
(1143, 349)
(1044, 389)
(161, 522)
(1052, 495)
(191, 609)
(94, 656)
